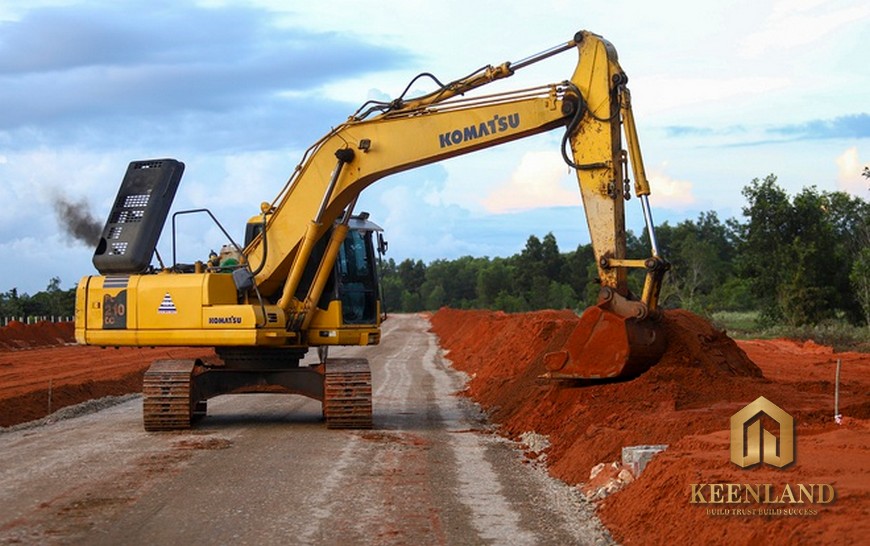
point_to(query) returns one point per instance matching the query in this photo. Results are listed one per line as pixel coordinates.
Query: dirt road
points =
(262, 469)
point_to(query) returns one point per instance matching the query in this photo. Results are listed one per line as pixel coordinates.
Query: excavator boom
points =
(593, 106)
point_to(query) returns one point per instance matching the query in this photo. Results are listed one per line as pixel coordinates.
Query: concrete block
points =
(636, 458)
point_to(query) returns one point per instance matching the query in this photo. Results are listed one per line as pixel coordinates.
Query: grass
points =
(738, 324)
(835, 333)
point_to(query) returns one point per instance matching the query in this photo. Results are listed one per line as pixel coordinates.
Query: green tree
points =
(536, 266)
(860, 279)
(493, 279)
(576, 270)
(561, 296)
(436, 298)
(530, 265)
(808, 292)
(552, 261)
(797, 254)
(51, 302)
(701, 253)
(766, 241)
(510, 303)
(11, 304)
(411, 302)
(391, 291)
(849, 217)
(457, 279)
(54, 302)
(413, 275)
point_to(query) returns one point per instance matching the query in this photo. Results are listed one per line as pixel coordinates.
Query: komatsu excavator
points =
(306, 276)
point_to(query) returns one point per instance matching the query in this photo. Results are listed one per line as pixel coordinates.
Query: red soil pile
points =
(503, 354)
(17, 335)
(39, 403)
(686, 401)
(50, 374)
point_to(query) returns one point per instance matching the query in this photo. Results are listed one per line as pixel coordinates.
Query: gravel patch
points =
(70, 412)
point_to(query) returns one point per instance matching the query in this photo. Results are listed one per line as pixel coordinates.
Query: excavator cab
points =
(350, 300)
(355, 279)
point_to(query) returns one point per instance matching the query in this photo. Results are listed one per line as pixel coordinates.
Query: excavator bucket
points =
(606, 345)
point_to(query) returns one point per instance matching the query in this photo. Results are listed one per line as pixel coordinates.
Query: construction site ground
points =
(99, 477)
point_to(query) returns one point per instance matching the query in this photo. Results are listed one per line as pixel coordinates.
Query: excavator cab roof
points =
(361, 222)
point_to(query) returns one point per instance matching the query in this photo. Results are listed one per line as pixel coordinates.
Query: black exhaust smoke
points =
(77, 221)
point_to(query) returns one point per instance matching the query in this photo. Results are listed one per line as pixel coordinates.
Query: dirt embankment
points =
(685, 401)
(17, 335)
(41, 371)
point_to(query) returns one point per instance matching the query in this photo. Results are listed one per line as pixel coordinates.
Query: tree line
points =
(51, 302)
(797, 260)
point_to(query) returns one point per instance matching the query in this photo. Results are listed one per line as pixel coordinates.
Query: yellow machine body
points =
(302, 280)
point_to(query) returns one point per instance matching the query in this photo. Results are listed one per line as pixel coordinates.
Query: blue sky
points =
(723, 92)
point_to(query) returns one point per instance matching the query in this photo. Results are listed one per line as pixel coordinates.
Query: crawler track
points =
(347, 401)
(171, 401)
(167, 397)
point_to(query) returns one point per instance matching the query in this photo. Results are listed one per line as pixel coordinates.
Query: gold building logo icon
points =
(751, 444)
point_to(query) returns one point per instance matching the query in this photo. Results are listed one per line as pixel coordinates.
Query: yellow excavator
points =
(306, 277)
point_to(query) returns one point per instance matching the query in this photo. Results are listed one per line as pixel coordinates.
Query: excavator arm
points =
(274, 299)
(592, 106)
(359, 153)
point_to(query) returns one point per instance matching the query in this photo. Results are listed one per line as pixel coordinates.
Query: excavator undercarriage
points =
(176, 392)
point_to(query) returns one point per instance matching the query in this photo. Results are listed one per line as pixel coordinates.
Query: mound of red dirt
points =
(38, 403)
(17, 335)
(52, 374)
(702, 379)
(36, 381)
(503, 354)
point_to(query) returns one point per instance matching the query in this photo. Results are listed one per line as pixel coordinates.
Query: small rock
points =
(596, 470)
(534, 441)
(625, 476)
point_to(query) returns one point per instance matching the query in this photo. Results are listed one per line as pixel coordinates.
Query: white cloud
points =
(665, 93)
(239, 181)
(849, 177)
(32, 267)
(794, 24)
(668, 192)
(540, 180)
(415, 228)
(32, 179)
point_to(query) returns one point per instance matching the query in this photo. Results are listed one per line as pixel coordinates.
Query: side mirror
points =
(382, 244)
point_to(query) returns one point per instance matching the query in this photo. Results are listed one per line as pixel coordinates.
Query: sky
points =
(723, 93)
